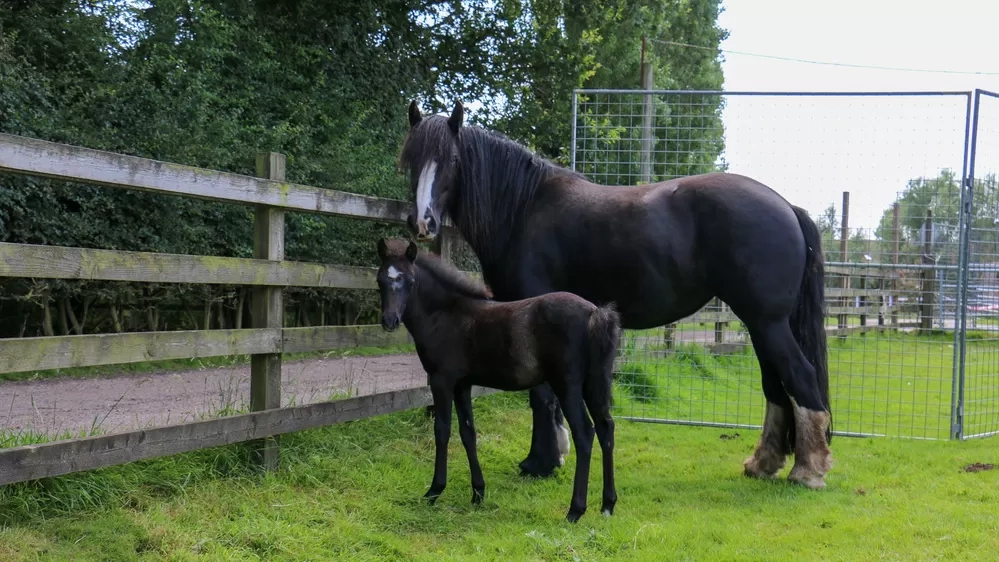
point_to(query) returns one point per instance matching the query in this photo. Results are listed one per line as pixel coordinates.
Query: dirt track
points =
(136, 401)
(128, 402)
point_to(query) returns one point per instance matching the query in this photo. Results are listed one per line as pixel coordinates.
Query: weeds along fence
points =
(904, 189)
(267, 273)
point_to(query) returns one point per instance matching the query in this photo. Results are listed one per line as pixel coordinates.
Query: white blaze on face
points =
(394, 276)
(424, 191)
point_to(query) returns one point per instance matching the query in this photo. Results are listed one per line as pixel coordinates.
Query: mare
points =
(463, 337)
(659, 251)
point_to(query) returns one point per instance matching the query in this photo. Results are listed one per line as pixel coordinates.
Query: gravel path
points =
(136, 401)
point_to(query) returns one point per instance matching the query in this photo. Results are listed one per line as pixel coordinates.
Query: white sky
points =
(812, 149)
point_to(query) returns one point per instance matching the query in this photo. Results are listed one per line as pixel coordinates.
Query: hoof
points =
(573, 516)
(477, 496)
(807, 479)
(608, 508)
(753, 468)
(533, 468)
(431, 496)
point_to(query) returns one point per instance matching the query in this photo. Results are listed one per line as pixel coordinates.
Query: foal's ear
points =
(382, 248)
(414, 114)
(454, 122)
(411, 251)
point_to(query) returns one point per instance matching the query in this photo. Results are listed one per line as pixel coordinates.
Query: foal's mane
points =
(450, 278)
(497, 180)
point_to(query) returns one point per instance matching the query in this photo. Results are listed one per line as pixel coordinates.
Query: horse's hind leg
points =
(466, 428)
(773, 447)
(812, 457)
(582, 435)
(598, 403)
(549, 439)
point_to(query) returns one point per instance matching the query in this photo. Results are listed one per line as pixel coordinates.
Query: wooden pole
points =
(268, 309)
(896, 234)
(647, 114)
(927, 288)
(844, 237)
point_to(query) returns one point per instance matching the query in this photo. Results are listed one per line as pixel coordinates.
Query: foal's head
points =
(430, 155)
(396, 279)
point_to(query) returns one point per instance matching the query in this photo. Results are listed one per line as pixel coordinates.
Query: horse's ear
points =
(414, 114)
(454, 122)
(411, 251)
(382, 248)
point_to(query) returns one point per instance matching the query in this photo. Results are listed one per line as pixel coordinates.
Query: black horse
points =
(463, 337)
(659, 251)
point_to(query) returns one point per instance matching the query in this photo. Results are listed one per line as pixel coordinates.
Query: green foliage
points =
(211, 83)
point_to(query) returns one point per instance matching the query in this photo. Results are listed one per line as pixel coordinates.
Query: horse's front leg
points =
(443, 392)
(466, 428)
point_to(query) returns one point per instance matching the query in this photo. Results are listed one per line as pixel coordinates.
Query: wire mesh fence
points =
(882, 175)
(980, 385)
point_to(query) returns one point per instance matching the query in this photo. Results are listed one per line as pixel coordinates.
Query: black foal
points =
(463, 337)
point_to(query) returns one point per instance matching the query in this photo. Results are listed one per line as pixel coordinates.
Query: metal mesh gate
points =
(882, 175)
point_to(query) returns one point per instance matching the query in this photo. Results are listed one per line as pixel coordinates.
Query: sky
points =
(812, 149)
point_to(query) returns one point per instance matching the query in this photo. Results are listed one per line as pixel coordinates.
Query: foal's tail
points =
(808, 317)
(605, 332)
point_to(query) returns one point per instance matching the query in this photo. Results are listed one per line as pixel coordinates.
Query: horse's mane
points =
(450, 278)
(498, 178)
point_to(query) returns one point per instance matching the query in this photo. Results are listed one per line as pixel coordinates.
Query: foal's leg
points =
(466, 428)
(812, 457)
(599, 407)
(443, 394)
(773, 447)
(582, 436)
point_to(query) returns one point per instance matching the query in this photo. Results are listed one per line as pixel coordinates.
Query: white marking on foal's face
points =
(424, 192)
(395, 277)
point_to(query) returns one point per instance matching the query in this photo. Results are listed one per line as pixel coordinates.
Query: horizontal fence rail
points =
(35, 157)
(57, 262)
(31, 462)
(64, 352)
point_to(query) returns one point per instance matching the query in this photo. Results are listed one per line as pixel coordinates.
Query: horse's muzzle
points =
(390, 322)
(425, 228)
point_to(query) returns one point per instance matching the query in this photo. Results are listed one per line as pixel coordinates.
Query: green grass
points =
(882, 383)
(189, 364)
(352, 492)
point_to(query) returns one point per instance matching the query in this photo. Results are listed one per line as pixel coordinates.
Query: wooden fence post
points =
(844, 237)
(927, 287)
(268, 308)
(648, 114)
(896, 235)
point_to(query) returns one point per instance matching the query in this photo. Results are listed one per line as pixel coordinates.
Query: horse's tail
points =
(604, 334)
(808, 317)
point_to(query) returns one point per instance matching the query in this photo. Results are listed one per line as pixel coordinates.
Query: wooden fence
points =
(267, 273)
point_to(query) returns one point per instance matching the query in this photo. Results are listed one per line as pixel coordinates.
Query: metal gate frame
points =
(970, 148)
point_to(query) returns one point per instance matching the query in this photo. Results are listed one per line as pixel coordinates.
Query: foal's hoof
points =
(431, 496)
(607, 509)
(574, 516)
(477, 496)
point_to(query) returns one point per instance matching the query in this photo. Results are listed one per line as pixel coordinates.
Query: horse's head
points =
(396, 279)
(430, 155)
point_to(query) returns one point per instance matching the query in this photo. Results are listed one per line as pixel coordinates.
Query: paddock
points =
(912, 324)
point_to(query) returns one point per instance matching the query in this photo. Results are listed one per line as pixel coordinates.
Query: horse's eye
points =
(411, 281)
